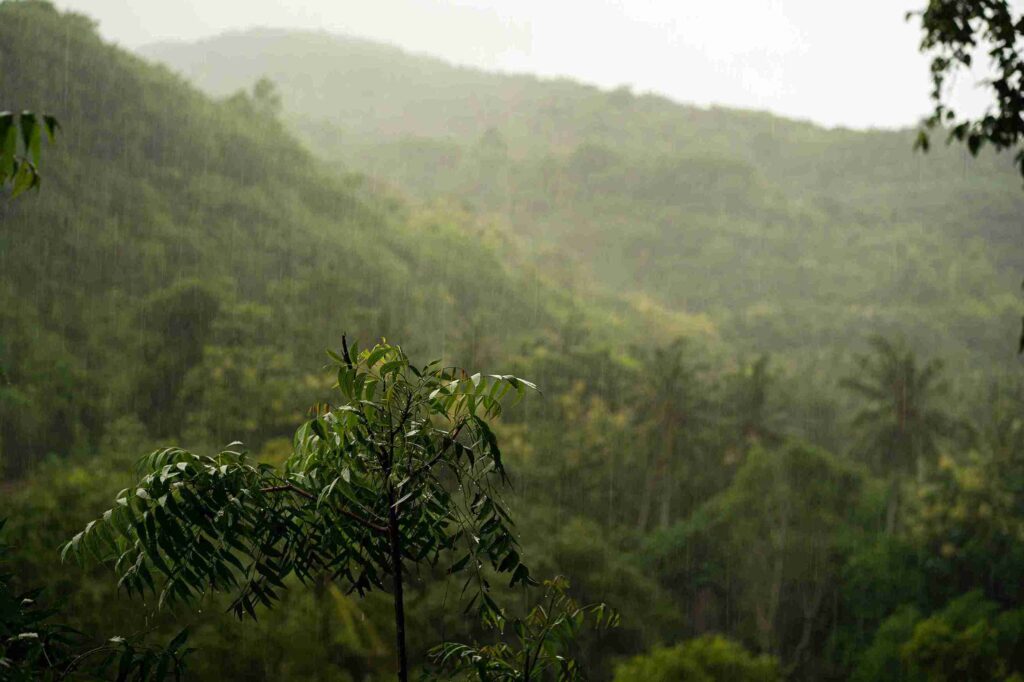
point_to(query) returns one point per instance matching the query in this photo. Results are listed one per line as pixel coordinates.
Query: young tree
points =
(902, 420)
(544, 641)
(404, 470)
(753, 413)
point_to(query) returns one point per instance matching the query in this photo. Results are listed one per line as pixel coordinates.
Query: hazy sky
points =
(831, 61)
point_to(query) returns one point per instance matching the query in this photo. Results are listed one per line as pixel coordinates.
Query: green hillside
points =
(719, 452)
(198, 238)
(786, 234)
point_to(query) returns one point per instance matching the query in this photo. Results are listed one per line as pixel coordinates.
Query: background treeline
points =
(719, 451)
(787, 236)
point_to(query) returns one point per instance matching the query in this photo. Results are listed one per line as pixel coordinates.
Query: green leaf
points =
(922, 142)
(511, 559)
(30, 135)
(521, 576)
(24, 179)
(375, 355)
(974, 141)
(460, 564)
(52, 126)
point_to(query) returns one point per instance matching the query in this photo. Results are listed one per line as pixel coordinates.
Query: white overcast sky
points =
(836, 62)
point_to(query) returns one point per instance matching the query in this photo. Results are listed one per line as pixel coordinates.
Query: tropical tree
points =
(1003, 421)
(754, 414)
(902, 420)
(711, 658)
(969, 519)
(969, 638)
(959, 643)
(404, 470)
(674, 412)
(776, 531)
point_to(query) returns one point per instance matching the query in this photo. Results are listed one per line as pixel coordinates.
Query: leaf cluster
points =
(953, 32)
(21, 148)
(406, 455)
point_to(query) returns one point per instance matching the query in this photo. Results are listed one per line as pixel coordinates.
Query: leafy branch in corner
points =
(21, 148)
(954, 32)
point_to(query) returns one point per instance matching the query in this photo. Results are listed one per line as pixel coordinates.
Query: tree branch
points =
(288, 487)
(450, 441)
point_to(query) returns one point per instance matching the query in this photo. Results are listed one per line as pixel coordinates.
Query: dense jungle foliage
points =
(781, 419)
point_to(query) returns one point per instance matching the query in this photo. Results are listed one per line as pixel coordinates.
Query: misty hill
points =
(181, 246)
(789, 236)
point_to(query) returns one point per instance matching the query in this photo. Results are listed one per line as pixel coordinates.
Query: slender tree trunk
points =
(810, 616)
(893, 508)
(770, 635)
(667, 484)
(650, 483)
(777, 546)
(666, 501)
(396, 566)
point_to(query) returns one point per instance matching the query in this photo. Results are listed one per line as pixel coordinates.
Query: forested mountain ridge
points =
(785, 234)
(200, 239)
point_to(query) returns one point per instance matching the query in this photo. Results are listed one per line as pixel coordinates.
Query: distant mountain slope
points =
(187, 261)
(793, 238)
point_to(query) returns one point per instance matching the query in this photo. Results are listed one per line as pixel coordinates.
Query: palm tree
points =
(754, 414)
(1003, 423)
(902, 421)
(674, 409)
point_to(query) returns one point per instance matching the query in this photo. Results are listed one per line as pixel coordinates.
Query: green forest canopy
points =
(188, 259)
